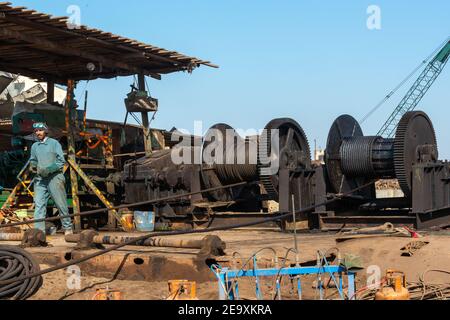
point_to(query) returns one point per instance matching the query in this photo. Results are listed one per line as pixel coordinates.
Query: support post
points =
(71, 153)
(50, 92)
(145, 120)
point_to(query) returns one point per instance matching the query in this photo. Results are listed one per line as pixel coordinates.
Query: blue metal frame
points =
(226, 278)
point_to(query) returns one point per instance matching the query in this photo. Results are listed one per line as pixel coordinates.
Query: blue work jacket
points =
(46, 153)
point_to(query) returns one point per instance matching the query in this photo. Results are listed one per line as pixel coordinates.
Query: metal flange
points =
(293, 153)
(344, 127)
(415, 129)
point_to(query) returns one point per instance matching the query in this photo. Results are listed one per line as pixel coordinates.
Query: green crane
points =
(417, 91)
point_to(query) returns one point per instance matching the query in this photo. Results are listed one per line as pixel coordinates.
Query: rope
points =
(16, 263)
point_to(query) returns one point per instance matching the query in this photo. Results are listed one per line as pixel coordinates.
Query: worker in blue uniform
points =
(47, 161)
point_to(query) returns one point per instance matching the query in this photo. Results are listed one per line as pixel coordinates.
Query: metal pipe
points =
(129, 154)
(85, 110)
(297, 258)
(151, 242)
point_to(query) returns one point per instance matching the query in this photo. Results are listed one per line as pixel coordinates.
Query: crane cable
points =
(424, 62)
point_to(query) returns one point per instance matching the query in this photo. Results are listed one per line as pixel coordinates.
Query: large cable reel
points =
(352, 159)
(282, 143)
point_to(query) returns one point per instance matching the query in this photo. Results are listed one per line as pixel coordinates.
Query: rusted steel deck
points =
(161, 264)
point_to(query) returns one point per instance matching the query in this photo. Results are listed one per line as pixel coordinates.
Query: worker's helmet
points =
(40, 126)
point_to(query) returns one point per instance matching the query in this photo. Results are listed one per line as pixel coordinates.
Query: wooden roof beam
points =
(39, 76)
(51, 46)
(106, 44)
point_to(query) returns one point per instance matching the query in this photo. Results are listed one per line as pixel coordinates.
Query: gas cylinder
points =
(107, 294)
(395, 288)
(182, 290)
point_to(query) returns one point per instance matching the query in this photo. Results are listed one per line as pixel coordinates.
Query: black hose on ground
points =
(16, 263)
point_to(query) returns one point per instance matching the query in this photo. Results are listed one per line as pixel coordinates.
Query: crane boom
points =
(417, 91)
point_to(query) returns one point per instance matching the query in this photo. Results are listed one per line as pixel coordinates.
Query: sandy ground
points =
(55, 288)
(386, 253)
(383, 252)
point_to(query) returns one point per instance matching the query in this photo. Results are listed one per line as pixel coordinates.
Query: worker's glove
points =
(43, 172)
(53, 168)
(33, 168)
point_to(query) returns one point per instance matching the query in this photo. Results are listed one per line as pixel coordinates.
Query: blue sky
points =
(309, 60)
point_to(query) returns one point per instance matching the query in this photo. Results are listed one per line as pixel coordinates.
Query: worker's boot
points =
(68, 232)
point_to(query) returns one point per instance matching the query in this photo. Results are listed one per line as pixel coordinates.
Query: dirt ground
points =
(55, 288)
(384, 252)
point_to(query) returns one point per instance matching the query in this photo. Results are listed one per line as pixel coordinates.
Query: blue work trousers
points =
(55, 187)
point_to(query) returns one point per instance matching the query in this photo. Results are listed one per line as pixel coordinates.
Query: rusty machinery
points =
(157, 176)
(352, 162)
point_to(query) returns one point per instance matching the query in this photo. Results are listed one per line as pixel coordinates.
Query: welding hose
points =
(181, 232)
(15, 264)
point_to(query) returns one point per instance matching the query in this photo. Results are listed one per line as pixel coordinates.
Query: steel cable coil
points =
(356, 156)
(370, 157)
(16, 263)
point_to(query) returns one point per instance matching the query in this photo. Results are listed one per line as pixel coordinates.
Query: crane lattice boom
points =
(417, 91)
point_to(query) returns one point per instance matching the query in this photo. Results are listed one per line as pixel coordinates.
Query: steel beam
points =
(145, 121)
(94, 189)
(72, 152)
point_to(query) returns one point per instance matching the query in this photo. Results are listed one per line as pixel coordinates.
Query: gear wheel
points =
(414, 129)
(292, 139)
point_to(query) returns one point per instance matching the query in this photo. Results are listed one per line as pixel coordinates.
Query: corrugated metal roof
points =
(40, 46)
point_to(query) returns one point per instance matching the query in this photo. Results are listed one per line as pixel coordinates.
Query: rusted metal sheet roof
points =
(43, 47)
